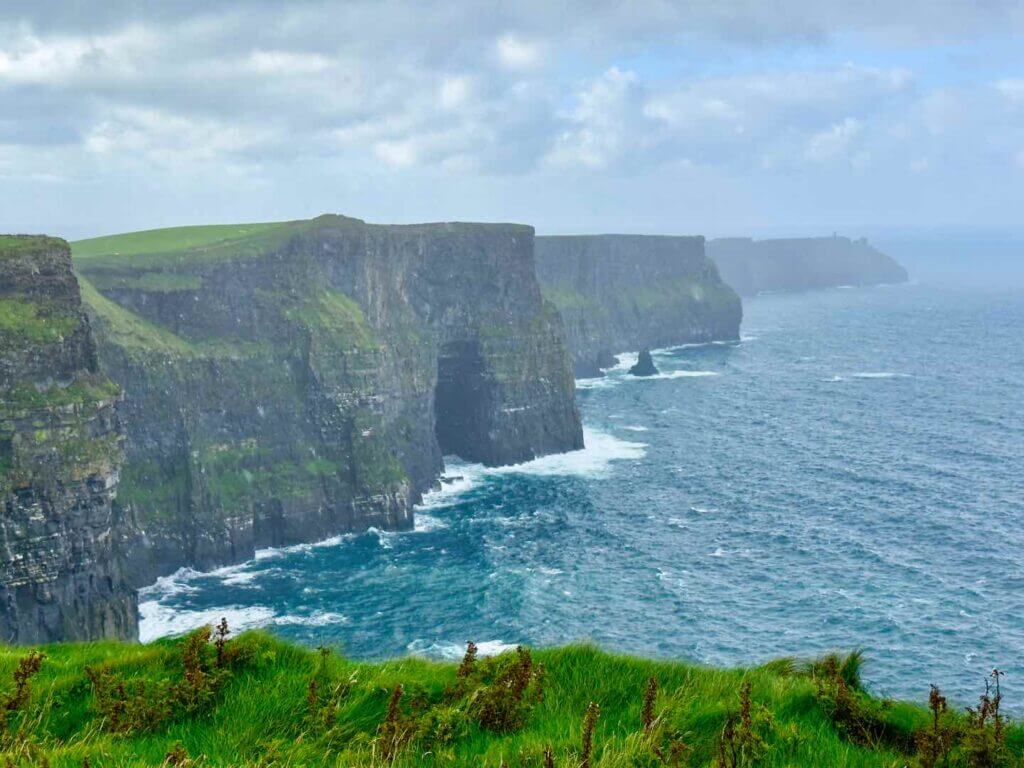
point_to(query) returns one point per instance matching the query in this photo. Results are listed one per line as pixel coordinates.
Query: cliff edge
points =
(626, 292)
(61, 574)
(292, 381)
(801, 264)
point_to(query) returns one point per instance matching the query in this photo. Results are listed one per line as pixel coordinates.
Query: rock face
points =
(623, 292)
(288, 382)
(644, 365)
(61, 573)
(800, 264)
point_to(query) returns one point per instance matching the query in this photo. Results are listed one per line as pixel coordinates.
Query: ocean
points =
(849, 475)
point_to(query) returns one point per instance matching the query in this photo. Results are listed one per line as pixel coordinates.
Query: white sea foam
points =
(880, 375)
(240, 577)
(602, 382)
(454, 484)
(677, 375)
(426, 523)
(595, 459)
(174, 584)
(271, 553)
(634, 428)
(452, 651)
(314, 619)
(157, 620)
(625, 361)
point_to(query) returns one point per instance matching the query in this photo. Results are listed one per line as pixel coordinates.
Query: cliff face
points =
(288, 382)
(619, 292)
(800, 264)
(61, 575)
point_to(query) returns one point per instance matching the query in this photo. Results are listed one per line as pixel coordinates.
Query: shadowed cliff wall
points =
(627, 292)
(61, 574)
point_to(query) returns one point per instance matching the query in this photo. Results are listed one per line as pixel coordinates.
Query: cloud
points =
(835, 142)
(287, 63)
(516, 53)
(1011, 88)
(28, 59)
(601, 122)
(503, 99)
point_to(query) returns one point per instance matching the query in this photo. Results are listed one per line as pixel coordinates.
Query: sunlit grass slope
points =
(167, 240)
(260, 701)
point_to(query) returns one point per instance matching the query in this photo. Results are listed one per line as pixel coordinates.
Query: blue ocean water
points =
(849, 475)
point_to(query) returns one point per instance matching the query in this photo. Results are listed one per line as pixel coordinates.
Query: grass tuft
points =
(211, 699)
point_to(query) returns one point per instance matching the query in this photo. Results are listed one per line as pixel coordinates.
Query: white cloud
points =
(400, 154)
(1011, 88)
(834, 142)
(155, 137)
(600, 123)
(455, 91)
(28, 59)
(516, 53)
(287, 63)
(734, 92)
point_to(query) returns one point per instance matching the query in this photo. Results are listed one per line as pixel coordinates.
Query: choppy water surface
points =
(850, 475)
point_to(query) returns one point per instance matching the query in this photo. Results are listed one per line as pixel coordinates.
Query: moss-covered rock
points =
(61, 570)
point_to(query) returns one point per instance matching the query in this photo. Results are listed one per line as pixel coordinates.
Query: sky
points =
(717, 117)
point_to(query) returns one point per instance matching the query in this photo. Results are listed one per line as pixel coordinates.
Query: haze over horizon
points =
(724, 118)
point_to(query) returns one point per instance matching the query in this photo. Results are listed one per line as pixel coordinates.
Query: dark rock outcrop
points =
(624, 292)
(288, 382)
(644, 365)
(800, 264)
(61, 574)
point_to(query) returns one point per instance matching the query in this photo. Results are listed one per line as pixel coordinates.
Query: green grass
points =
(128, 330)
(166, 240)
(16, 245)
(34, 322)
(263, 711)
(138, 336)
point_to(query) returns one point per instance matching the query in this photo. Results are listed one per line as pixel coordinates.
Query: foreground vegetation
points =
(208, 700)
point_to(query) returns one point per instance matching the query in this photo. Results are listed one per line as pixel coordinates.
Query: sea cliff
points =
(61, 572)
(800, 264)
(628, 292)
(288, 382)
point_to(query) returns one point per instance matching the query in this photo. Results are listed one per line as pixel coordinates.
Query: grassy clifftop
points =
(170, 239)
(257, 701)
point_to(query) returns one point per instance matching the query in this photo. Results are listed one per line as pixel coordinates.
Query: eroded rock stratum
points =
(61, 571)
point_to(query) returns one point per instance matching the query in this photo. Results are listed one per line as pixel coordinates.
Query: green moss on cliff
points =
(334, 314)
(86, 388)
(569, 300)
(713, 295)
(154, 488)
(129, 331)
(35, 322)
(157, 281)
(18, 245)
